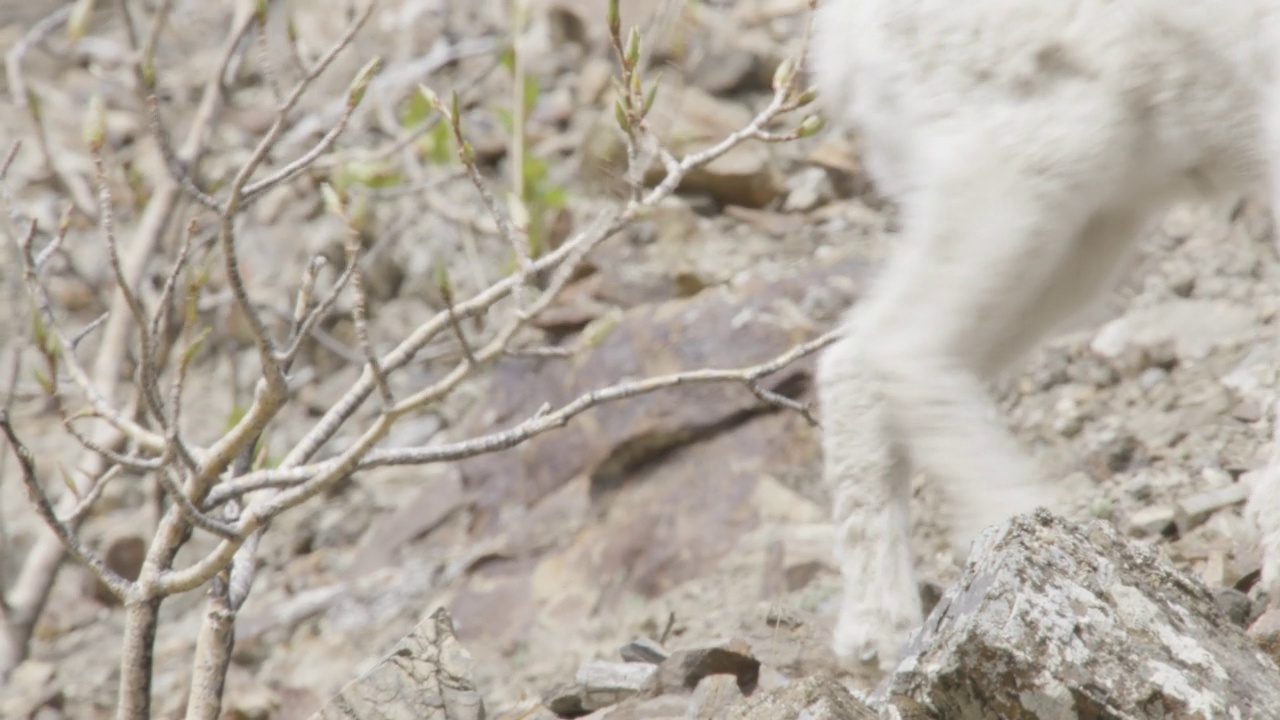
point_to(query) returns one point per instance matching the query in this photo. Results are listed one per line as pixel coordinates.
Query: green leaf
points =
(440, 270)
(535, 237)
(508, 58)
(647, 104)
(614, 18)
(783, 73)
(374, 174)
(194, 347)
(95, 122)
(415, 110)
(43, 381)
(436, 145)
(633, 47)
(531, 91)
(597, 330)
(235, 416)
(620, 115)
(361, 82)
(810, 126)
(33, 105)
(555, 197)
(506, 119)
(39, 332)
(535, 170)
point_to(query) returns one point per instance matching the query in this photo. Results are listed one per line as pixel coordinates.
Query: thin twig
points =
(359, 317)
(87, 501)
(23, 96)
(79, 375)
(542, 421)
(118, 586)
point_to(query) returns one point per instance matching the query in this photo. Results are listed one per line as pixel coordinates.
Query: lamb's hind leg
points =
(992, 242)
(1263, 509)
(984, 239)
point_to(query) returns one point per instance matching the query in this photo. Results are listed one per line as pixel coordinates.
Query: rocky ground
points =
(688, 517)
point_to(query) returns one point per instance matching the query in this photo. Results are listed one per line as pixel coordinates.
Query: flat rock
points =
(1053, 619)
(644, 649)
(609, 683)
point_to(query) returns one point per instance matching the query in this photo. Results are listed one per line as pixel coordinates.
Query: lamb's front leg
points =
(867, 474)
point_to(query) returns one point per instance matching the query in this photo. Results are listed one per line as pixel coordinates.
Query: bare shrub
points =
(120, 384)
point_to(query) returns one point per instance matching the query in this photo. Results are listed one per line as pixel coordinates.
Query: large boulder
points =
(1055, 620)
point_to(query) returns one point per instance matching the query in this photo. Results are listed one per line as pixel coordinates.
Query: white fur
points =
(1028, 143)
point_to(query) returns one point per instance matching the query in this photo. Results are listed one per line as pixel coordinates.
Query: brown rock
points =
(636, 497)
(704, 331)
(813, 698)
(686, 668)
(688, 121)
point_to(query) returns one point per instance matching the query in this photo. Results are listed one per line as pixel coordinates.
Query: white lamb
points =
(1028, 143)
